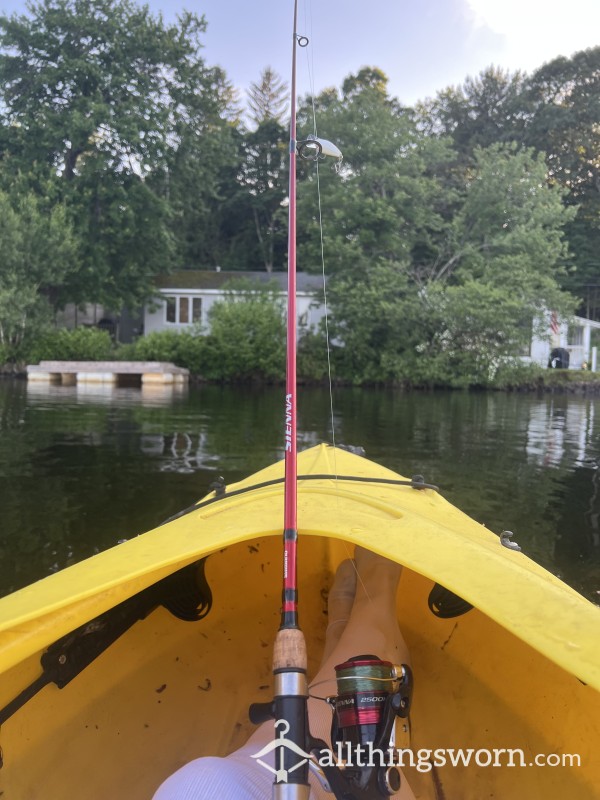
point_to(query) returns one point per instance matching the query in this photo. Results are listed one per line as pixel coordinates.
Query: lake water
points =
(81, 469)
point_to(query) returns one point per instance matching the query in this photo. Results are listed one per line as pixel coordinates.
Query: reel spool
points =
(364, 683)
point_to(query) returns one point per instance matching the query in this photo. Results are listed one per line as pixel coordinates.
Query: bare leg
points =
(372, 628)
(372, 625)
(339, 605)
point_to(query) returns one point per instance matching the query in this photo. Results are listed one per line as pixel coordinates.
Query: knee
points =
(201, 779)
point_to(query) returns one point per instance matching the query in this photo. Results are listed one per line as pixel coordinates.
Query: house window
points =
(183, 310)
(196, 309)
(171, 309)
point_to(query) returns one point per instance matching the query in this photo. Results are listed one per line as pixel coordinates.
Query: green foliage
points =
(508, 236)
(516, 375)
(181, 348)
(260, 221)
(555, 110)
(38, 253)
(312, 357)
(374, 316)
(478, 328)
(435, 277)
(113, 101)
(268, 98)
(94, 78)
(123, 155)
(533, 377)
(79, 344)
(247, 337)
(386, 199)
(485, 110)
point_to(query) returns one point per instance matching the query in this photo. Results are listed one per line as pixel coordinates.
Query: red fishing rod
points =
(289, 707)
(289, 653)
(293, 743)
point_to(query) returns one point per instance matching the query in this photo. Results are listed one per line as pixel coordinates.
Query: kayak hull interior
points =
(169, 691)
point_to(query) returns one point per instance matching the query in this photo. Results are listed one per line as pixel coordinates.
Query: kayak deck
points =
(509, 674)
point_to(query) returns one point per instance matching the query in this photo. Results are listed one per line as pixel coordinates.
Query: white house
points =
(185, 298)
(580, 338)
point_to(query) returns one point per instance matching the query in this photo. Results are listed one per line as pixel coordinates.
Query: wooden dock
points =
(127, 373)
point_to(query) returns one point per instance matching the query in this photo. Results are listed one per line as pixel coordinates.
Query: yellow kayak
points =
(161, 644)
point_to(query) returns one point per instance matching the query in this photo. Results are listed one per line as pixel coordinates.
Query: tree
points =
(509, 211)
(38, 252)
(250, 222)
(482, 111)
(562, 99)
(437, 269)
(267, 99)
(555, 110)
(103, 93)
(255, 220)
(504, 264)
(383, 198)
(86, 77)
(201, 175)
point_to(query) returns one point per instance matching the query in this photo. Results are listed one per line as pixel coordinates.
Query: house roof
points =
(211, 279)
(585, 321)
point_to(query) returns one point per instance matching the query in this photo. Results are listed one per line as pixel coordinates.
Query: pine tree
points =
(268, 97)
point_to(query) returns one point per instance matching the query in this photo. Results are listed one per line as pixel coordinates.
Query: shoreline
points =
(573, 382)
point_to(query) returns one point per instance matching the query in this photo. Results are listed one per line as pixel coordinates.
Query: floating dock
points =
(116, 373)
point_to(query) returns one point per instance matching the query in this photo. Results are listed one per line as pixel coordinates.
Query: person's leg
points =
(339, 605)
(372, 628)
(340, 601)
(238, 775)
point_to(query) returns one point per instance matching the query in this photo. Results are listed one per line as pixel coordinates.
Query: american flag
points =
(554, 323)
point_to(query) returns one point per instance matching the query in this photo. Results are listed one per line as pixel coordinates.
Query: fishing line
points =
(311, 72)
(326, 307)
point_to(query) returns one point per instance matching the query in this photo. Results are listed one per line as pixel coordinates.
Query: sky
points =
(423, 46)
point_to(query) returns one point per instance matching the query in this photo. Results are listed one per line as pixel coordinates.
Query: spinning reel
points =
(371, 694)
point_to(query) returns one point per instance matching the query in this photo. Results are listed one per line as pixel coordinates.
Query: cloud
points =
(535, 31)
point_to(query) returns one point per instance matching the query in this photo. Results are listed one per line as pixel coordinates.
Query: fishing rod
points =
(354, 722)
(290, 703)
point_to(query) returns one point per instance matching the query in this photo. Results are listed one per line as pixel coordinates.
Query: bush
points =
(79, 344)
(312, 357)
(4, 354)
(181, 348)
(517, 374)
(247, 339)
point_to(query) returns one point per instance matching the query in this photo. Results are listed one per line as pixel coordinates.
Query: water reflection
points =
(147, 394)
(80, 471)
(179, 452)
(560, 430)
